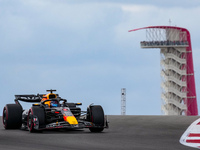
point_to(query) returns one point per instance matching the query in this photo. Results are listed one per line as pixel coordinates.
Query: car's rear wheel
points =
(12, 116)
(39, 113)
(96, 116)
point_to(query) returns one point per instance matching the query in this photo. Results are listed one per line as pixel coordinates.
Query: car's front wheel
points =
(96, 116)
(36, 117)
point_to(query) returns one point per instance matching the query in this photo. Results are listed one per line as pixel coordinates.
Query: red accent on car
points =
(6, 114)
(65, 118)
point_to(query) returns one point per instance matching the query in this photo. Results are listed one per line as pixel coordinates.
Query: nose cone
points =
(71, 120)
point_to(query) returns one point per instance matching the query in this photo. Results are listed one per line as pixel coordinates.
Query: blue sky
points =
(84, 50)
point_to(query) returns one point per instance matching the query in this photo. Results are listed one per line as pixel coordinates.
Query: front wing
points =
(63, 124)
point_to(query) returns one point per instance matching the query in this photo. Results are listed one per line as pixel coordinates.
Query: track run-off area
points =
(125, 132)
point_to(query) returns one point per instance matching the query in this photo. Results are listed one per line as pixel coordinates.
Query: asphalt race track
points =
(125, 132)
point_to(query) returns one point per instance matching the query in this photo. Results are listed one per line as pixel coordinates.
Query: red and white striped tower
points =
(177, 71)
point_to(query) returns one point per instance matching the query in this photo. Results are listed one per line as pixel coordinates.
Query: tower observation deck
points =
(178, 93)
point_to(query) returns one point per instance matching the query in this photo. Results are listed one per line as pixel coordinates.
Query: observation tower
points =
(177, 72)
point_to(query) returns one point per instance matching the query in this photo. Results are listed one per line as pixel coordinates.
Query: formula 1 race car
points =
(50, 111)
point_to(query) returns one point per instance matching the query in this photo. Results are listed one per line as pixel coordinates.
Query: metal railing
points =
(164, 44)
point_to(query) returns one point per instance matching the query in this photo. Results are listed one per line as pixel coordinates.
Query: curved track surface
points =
(125, 132)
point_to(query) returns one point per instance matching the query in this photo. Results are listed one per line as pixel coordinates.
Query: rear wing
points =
(29, 98)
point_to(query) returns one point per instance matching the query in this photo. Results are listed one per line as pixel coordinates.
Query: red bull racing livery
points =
(49, 111)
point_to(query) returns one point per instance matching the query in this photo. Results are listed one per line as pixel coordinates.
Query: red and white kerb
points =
(191, 137)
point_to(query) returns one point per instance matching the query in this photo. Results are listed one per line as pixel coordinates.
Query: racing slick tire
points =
(96, 116)
(40, 114)
(12, 116)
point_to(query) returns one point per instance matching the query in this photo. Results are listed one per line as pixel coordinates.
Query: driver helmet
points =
(54, 104)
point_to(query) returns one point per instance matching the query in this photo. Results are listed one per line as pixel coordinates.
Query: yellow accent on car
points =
(72, 120)
(51, 95)
(36, 104)
(48, 96)
(78, 103)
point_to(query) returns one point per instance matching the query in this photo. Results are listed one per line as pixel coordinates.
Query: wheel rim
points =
(29, 122)
(4, 117)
